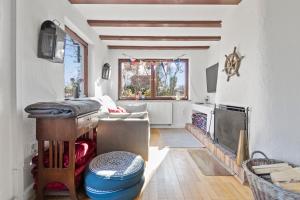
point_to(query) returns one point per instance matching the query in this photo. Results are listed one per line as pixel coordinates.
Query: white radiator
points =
(160, 113)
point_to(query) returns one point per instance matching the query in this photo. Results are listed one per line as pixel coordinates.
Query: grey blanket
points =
(64, 109)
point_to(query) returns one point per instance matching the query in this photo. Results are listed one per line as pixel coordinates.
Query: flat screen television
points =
(212, 78)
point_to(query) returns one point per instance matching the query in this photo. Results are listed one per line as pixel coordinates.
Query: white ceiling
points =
(155, 13)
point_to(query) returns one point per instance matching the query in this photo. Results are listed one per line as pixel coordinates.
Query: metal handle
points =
(259, 152)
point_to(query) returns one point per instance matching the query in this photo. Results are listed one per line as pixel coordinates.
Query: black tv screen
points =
(212, 78)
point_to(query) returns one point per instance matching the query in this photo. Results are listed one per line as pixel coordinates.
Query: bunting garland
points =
(160, 63)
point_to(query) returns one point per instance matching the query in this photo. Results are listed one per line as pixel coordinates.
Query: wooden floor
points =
(172, 174)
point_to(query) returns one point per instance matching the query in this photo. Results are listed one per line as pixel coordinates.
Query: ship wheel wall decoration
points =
(232, 64)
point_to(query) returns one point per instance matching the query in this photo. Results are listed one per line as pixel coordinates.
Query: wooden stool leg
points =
(40, 192)
(72, 191)
(73, 194)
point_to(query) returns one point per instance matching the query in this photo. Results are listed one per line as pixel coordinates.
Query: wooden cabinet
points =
(53, 134)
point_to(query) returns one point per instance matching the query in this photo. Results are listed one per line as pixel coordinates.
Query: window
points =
(75, 64)
(153, 79)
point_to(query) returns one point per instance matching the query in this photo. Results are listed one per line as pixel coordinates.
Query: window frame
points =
(85, 45)
(153, 80)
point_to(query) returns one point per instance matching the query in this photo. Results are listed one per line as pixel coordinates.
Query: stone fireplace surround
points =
(227, 158)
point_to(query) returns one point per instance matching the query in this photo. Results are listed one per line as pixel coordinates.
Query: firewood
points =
(289, 175)
(242, 154)
(293, 187)
(267, 169)
(270, 166)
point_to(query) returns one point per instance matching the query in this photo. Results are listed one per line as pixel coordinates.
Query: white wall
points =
(197, 88)
(241, 29)
(41, 80)
(98, 56)
(265, 33)
(7, 91)
(278, 117)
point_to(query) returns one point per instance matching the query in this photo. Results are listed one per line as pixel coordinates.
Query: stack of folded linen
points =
(63, 109)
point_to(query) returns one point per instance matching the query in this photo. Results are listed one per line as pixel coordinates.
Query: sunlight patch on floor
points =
(156, 157)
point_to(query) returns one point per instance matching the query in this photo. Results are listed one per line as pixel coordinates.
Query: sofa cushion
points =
(107, 102)
(138, 107)
(140, 115)
(83, 149)
(57, 186)
(118, 110)
(119, 115)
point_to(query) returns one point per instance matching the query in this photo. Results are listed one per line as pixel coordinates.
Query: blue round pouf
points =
(125, 194)
(114, 171)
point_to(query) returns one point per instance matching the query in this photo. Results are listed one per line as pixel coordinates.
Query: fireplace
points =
(200, 120)
(229, 121)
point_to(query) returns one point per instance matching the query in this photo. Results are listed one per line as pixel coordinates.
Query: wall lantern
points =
(51, 45)
(106, 71)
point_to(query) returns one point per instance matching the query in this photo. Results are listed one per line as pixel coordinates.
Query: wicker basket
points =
(262, 186)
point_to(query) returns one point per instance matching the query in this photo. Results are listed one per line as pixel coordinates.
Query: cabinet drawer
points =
(87, 122)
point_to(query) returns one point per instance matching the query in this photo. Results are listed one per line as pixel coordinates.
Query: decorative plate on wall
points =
(232, 64)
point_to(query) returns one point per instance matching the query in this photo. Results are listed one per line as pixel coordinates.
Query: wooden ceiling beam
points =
(158, 47)
(160, 38)
(143, 23)
(191, 2)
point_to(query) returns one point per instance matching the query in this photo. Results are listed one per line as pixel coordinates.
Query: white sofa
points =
(125, 132)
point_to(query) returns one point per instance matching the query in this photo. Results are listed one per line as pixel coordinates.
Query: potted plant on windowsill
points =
(76, 86)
